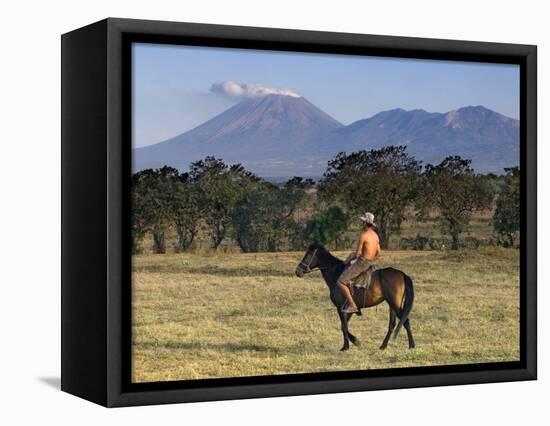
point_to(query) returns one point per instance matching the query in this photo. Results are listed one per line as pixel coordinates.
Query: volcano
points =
(267, 134)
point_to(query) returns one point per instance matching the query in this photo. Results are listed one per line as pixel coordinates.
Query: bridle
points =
(306, 267)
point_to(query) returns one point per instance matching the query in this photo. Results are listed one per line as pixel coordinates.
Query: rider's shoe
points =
(350, 310)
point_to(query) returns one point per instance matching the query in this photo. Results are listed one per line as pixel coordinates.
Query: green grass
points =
(210, 315)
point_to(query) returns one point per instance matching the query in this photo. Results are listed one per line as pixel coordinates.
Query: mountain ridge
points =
(277, 135)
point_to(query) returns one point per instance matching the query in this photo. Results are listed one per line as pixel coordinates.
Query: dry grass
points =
(227, 315)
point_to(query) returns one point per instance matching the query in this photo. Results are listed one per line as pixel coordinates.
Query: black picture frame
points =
(96, 151)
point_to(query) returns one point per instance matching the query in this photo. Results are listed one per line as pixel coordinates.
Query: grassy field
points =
(226, 315)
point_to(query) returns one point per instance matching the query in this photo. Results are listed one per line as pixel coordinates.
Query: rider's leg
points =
(347, 275)
(344, 287)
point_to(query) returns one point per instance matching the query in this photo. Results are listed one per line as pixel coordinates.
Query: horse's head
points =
(310, 260)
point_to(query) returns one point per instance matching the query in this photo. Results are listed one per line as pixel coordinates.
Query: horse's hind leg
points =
(345, 331)
(391, 326)
(407, 326)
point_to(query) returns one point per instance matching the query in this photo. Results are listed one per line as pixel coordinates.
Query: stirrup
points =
(349, 310)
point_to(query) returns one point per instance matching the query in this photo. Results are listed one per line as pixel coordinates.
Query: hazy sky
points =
(173, 85)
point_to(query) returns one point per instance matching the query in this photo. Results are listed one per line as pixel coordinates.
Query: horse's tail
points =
(407, 304)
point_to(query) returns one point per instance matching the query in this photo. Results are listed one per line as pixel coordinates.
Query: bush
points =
(419, 242)
(438, 243)
(471, 243)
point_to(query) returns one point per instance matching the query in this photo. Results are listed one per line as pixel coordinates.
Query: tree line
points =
(228, 202)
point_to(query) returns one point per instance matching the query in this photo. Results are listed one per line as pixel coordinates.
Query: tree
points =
(454, 189)
(294, 194)
(297, 196)
(383, 181)
(327, 226)
(185, 211)
(219, 188)
(263, 218)
(506, 220)
(138, 212)
(151, 205)
(258, 219)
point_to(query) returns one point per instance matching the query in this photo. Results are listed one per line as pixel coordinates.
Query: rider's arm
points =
(350, 257)
(359, 250)
(354, 255)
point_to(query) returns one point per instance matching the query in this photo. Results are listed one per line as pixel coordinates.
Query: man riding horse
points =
(367, 251)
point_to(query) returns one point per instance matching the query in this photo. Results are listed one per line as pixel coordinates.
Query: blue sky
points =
(172, 85)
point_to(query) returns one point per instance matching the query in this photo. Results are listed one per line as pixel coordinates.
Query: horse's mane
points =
(328, 255)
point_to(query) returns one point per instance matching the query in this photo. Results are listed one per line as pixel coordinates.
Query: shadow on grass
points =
(219, 347)
(215, 270)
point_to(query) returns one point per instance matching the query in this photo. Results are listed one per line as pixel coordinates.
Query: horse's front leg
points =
(344, 321)
(352, 338)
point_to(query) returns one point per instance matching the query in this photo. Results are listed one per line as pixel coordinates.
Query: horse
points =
(387, 284)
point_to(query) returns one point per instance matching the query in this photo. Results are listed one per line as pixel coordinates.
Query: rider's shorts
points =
(354, 270)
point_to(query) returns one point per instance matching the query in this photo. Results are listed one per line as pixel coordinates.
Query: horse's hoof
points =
(412, 346)
(383, 347)
(356, 342)
(344, 349)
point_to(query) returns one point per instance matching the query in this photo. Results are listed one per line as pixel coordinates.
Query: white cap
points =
(368, 218)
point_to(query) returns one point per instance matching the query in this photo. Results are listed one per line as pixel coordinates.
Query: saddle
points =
(363, 280)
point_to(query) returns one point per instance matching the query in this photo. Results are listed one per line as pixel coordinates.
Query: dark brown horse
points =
(388, 284)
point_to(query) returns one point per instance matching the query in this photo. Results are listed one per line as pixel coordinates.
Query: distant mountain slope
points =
(489, 139)
(262, 133)
(280, 135)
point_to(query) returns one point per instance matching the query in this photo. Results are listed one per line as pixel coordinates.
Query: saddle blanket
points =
(363, 280)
